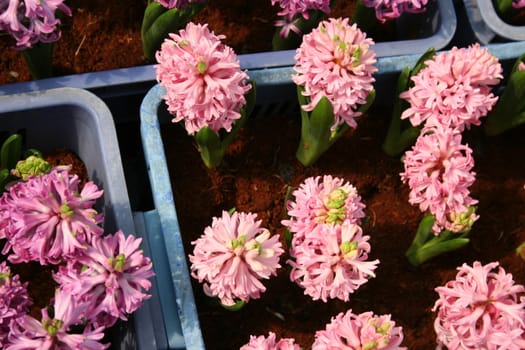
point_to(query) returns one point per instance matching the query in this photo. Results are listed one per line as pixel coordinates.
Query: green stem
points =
(39, 59)
(426, 245)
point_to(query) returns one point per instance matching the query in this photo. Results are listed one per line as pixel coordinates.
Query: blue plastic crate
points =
(488, 26)
(78, 120)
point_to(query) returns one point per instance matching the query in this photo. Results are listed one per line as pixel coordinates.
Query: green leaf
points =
(5, 177)
(509, 111)
(11, 151)
(158, 22)
(235, 307)
(210, 147)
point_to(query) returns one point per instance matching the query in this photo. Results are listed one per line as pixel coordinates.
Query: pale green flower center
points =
(463, 222)
(335, 206)
(66, 211)
(348, 249)
(4, 278)
(238, 242)
(118, 262)
(201, 66)
(52, 326)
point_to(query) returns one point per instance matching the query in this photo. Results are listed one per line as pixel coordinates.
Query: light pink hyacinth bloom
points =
(233, 255)
(349, 331)
(332, 263)
(391, 9)
(14, 300)
(112, 274)
(204, 83)
(454, 89)
(270, 343)
(335, 61)
(56, 332)
(322, 200)
(179, 4)
(438, 170)
(481, 309)
(32, 21)
(48, 218)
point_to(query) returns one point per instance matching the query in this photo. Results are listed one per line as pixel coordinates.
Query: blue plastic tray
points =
(78, 120)
(487, 25)
(274, 90)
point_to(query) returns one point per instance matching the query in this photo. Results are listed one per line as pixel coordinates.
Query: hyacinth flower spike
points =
(298, 17)
(205, 88)
(232, 256)
(365, 331)
(509, 111)
(368, 14)
(438, 170)
(482, 308)
(35, 26)
(334, 68)
(401, 134)
(162, 17)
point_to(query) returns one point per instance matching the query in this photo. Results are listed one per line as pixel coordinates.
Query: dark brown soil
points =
(254, 177)
(103, 35)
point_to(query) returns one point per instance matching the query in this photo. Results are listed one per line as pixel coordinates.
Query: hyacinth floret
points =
(365, 331)
(204, 83)
(454, 89)
(233, 255)
(335, 61)
(59, 331)
(293, 8)
(47, 218)
(332, 262)
(178, 4)
(482, 308)
(518, 3)
(112, 274)
(14, 301)
(390, 9)
(30, 22)
(322, 200)
(438, 170)
(269, 343)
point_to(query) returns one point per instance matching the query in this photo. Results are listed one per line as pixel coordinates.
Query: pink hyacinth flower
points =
(204, 83)
(332, 263)
(270, 343)
(294, 8)
(47, 218)
(454, 88)
(391, 9)
(57, 332)
(521, 65)
(233, 255)
(438, 170)
(349, 331)
(335, 61)
(518, 3)
(480, 309)
(32, 21)
(14, 300)
(112, 274)
(322, 200)
(178, 4)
